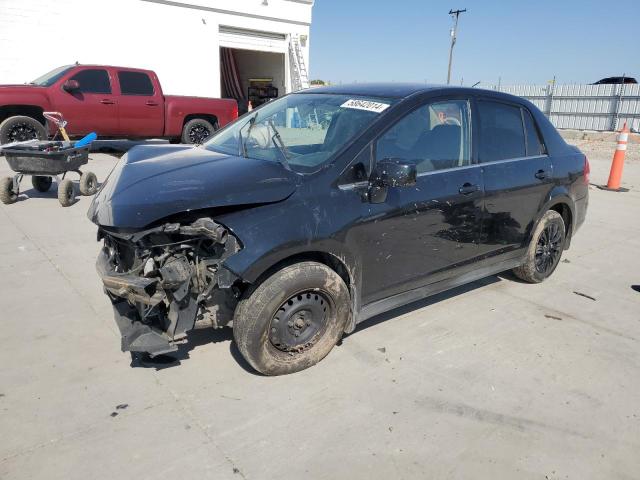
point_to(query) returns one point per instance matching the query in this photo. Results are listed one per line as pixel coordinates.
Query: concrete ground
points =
(497, 379)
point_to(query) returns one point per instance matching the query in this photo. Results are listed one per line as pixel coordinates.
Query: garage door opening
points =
(251, 76)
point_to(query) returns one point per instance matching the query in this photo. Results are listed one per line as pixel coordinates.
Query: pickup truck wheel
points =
(545, 249)
(41, 183)
(7, 195)
(66, 193)
(197, 130)
(20, 129)
(293, 319)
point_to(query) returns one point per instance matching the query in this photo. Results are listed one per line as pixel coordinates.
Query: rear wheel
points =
(41, 183)
(7, 194)
(198, 130)
(293, 319)
(20, 129)
(545, 249)
(88, 183)
(66, 193)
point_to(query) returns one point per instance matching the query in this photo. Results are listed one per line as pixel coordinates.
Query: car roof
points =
(389, 90)
(404, 90)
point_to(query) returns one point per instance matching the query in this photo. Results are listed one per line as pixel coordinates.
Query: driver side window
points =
(436, 136)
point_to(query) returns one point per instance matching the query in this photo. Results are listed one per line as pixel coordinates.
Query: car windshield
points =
(301, 131)
(52, 77)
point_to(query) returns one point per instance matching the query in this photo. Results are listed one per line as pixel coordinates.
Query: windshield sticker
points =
(367, 105)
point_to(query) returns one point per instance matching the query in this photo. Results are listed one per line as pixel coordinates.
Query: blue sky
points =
(520, 41)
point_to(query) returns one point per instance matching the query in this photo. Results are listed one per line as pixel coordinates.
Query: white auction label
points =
(367, 105)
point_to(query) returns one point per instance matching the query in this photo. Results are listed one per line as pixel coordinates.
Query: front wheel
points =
(66, 193)
(293, 319)
(20, 129)
(7, 194)
(545, 249)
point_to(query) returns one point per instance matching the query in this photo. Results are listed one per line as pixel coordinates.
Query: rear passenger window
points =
(501, 132)
(534, 144)
(435, 136)
(135, 83)
(93, 81)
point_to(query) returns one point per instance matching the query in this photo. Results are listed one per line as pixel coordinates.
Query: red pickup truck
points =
(114, 102)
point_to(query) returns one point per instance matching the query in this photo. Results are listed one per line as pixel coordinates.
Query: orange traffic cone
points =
(615, 176)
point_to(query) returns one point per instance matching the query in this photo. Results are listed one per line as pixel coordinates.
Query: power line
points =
(454, 32)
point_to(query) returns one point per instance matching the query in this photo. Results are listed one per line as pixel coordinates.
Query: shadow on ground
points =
(197, 338)
(425, 302)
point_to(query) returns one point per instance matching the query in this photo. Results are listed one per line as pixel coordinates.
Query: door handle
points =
(152, 104)
(541, 174)
(468, 188)
(106, 101)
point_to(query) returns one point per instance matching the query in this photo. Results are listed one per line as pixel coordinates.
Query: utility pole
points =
(454, 32)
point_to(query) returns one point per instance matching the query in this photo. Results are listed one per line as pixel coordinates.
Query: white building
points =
(192, 44)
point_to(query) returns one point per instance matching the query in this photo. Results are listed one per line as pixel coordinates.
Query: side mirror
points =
(70, 85)
(391, 172)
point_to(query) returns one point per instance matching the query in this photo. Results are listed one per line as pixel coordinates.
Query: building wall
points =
(181, 43)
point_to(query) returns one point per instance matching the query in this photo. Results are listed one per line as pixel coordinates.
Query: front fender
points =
(274, 233)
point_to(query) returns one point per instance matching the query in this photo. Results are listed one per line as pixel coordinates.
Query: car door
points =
(517, 174)
(141, 105)
(420, 234)
(92, 107)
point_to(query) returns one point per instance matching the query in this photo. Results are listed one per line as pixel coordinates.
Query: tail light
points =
(587, 170)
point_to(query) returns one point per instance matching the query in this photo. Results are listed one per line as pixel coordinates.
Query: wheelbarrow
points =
(45, 159)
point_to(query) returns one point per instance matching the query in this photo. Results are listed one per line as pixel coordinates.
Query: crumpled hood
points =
(153, 182)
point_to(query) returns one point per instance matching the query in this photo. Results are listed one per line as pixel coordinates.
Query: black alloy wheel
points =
(198, 133)
(545, 249)
(549, 249)
(22, 132)
(299, 321)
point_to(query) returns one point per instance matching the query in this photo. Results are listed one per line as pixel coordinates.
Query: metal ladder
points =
(299, 75)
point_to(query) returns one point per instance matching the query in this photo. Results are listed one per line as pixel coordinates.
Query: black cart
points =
(44, 160)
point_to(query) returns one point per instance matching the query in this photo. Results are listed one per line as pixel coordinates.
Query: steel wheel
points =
(549, 249)
(292, 319)
(299, 321)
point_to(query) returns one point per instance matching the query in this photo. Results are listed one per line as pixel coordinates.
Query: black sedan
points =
(326, 207)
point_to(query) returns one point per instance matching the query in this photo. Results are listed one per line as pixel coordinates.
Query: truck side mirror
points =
(391, 172)
(70, 86)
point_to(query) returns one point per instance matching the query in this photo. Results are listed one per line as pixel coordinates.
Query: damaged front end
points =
(167, 280)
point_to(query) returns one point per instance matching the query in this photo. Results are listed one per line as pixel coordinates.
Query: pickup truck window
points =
(135, 83)
(93, 81)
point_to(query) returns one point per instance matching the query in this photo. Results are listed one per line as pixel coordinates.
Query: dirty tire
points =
(197, 130)
(7, 195)
(88, 183)
(252, 323)
(41, 183)
(66, 193)
(21, 128)
(551, 222)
